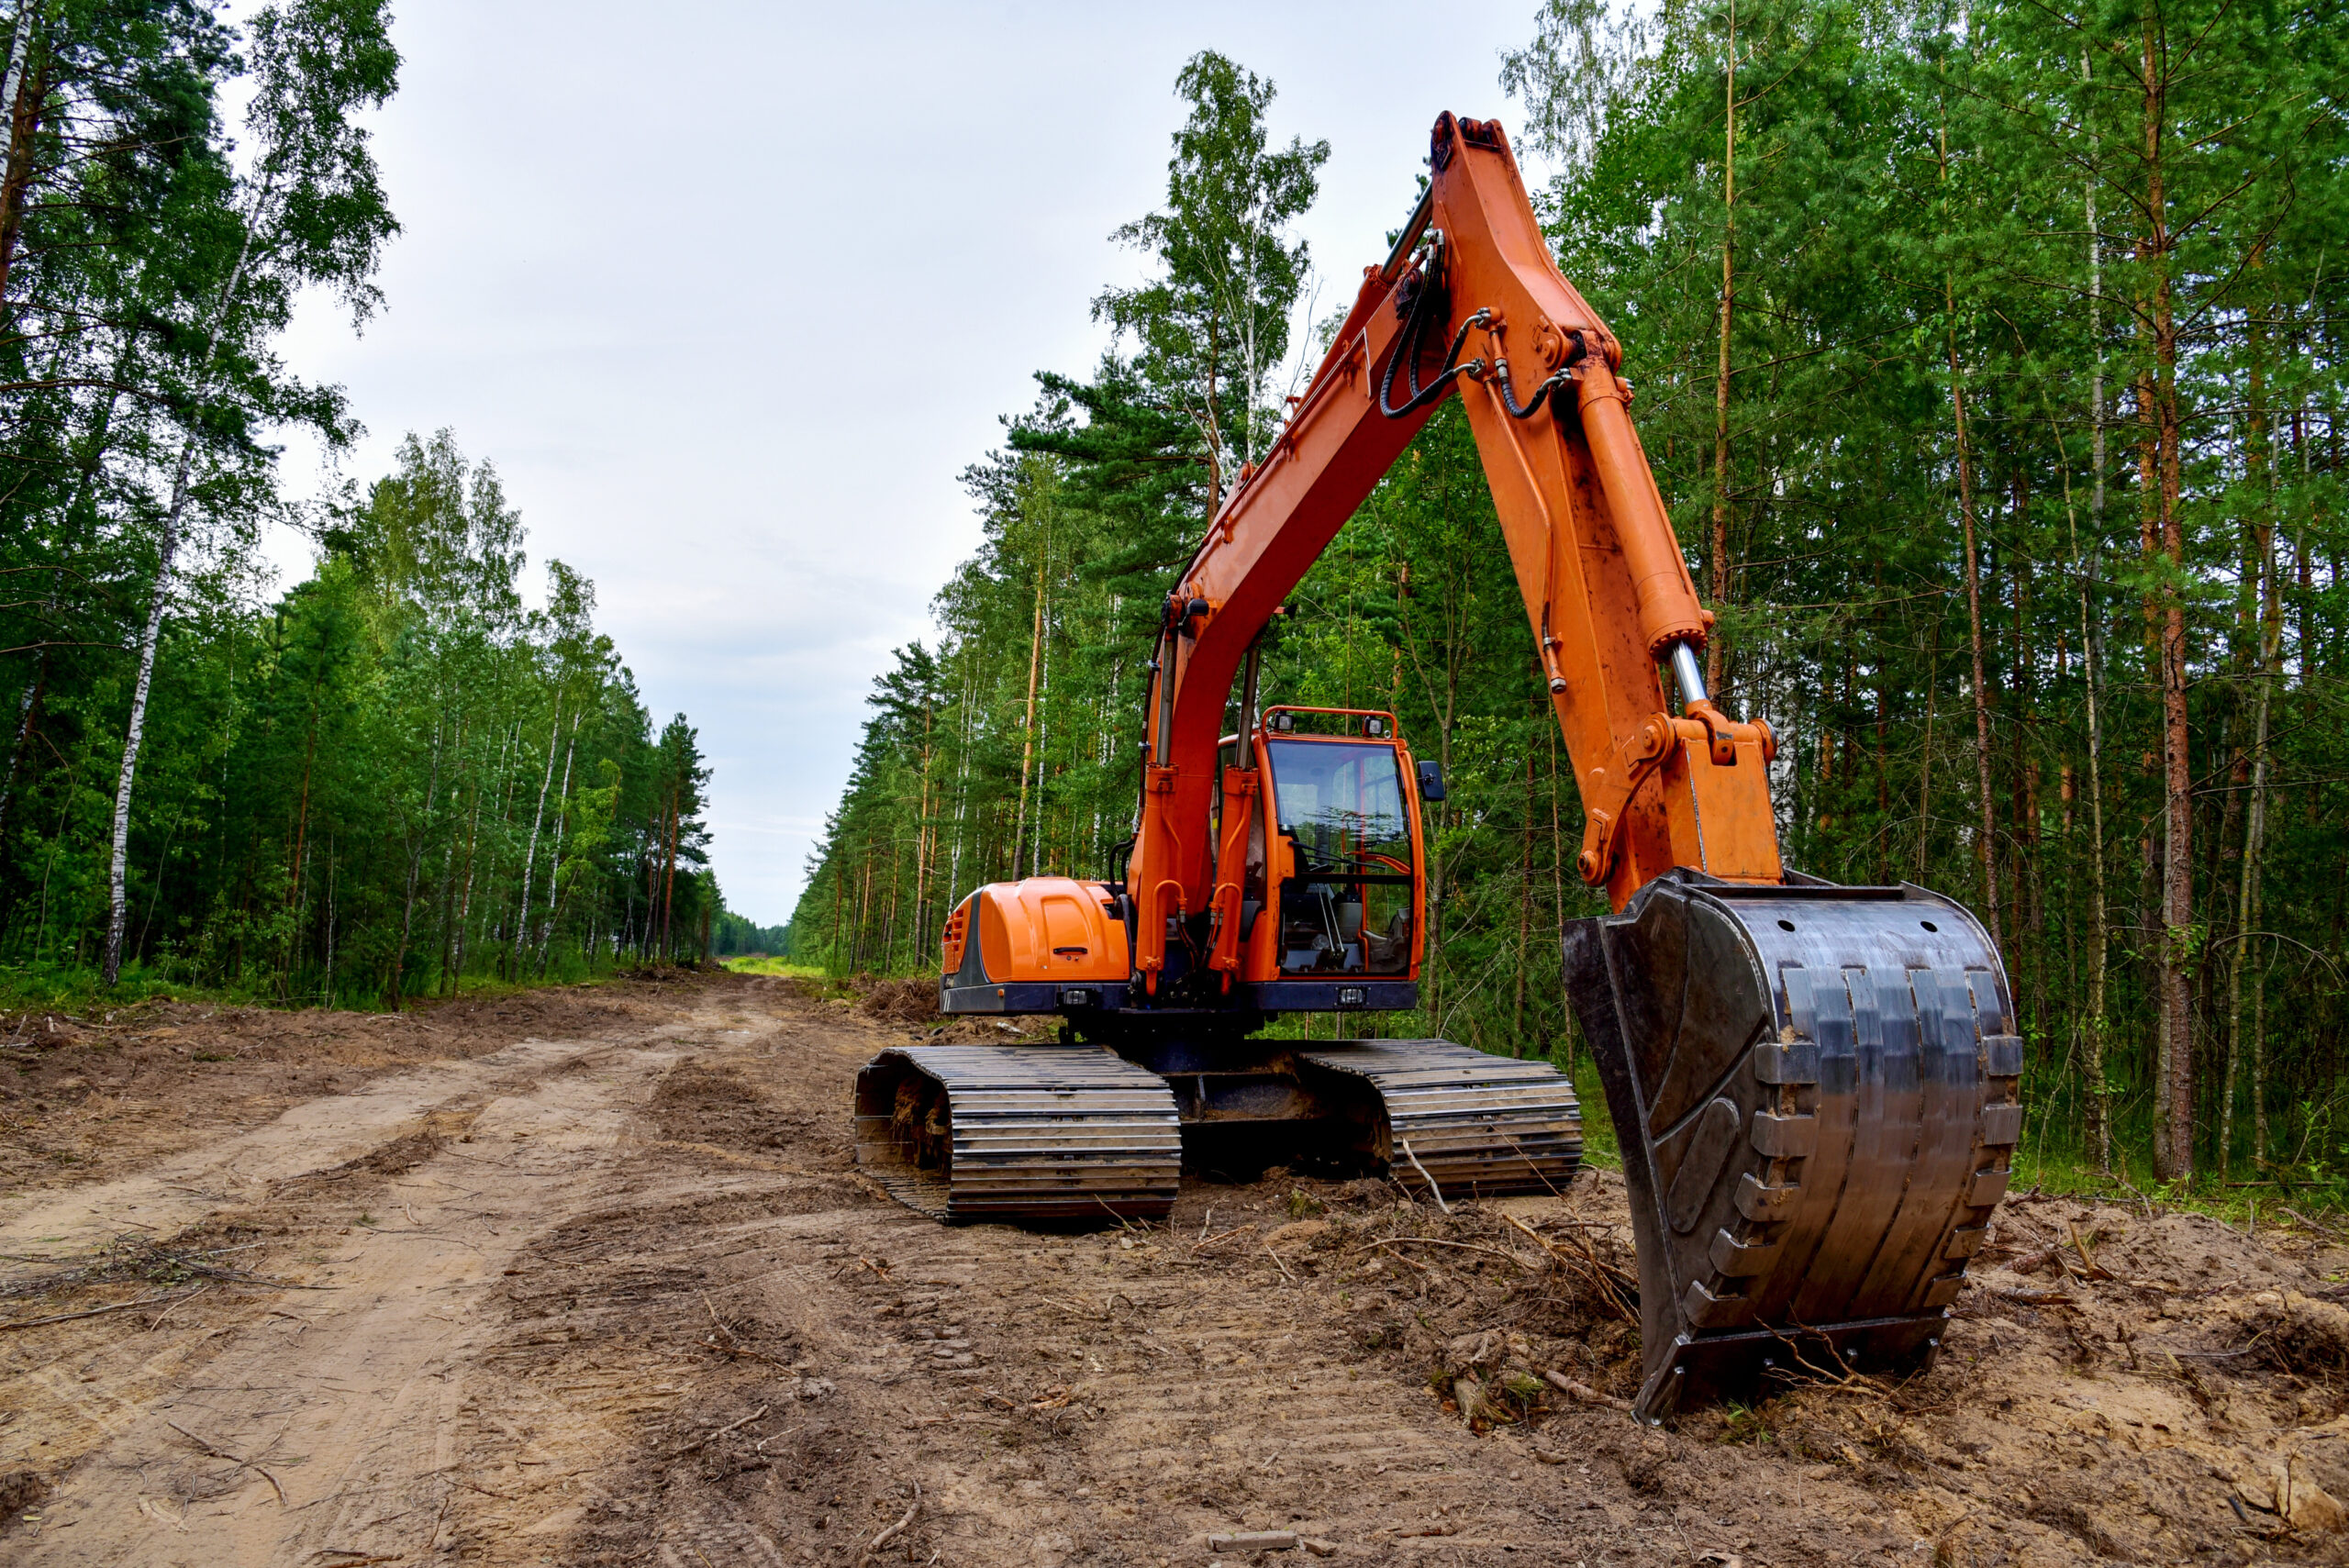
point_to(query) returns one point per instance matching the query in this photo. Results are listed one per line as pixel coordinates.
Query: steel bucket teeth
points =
(1018, 1132)
(1814, 1089)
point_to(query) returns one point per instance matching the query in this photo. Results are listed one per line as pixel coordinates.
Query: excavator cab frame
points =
(1323, 845)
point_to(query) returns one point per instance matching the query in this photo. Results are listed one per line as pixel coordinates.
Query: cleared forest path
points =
(613, 1292)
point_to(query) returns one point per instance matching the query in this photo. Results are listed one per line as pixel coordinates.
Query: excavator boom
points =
(1813, 1087)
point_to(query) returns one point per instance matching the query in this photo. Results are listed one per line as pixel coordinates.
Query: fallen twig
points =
(1604, 1274)
(175, 1307)
(1583, 1391)
(1842, 1379)
(1462, 1246)
(218, 1453)
(895, 1531)
(2034, 1297)
(1422, 1170)
(1277, 1263)
(97, 1311)
(2079, 1242)
(743, 1352)
(700, 1443)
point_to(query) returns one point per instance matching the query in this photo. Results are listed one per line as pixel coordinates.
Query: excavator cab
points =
(1344, 851)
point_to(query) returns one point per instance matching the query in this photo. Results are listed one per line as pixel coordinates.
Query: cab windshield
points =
(1348, 907)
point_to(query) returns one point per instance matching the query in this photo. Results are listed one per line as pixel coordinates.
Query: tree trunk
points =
(1524, 917)
(1042, 710)
(2176, 1015)
(2257, 531)
(24, 733)
(531, 855)
(1986, 849)
(2091, 645)
(2255, 824)
(415, 868)
(1925, 760)
(1028, 726)
(669, 876)
(1713, 646)
(925, 831)
(1558, 875)
(167, 551)
(20, 99)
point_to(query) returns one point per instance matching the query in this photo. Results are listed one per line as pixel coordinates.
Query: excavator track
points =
(1467, 1123)
(1007, 1132)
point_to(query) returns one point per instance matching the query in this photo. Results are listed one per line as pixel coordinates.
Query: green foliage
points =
(2107, 236)
(1212, 326)
(736, 936)
(393, 775)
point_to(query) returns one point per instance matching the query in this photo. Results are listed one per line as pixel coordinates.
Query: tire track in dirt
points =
(1057, 1398)
(348, 1396)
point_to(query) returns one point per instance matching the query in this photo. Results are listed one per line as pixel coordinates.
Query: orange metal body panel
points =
(1606, 586)
(1046, 928)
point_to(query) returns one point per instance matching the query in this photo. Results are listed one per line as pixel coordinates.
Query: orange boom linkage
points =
(1814, 1086)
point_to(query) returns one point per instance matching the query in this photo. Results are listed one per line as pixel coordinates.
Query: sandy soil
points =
(587, 1277)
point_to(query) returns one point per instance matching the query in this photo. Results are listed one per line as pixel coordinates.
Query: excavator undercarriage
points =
(1075, 1131)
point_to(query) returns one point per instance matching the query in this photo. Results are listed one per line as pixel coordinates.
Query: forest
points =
(390, 778)
(1991, 359)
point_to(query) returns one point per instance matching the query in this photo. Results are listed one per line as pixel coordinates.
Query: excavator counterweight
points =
(1814, 1087)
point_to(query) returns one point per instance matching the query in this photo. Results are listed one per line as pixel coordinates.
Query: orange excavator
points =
(1813, 1086)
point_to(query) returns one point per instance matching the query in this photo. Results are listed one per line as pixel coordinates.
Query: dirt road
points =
(588, 1277)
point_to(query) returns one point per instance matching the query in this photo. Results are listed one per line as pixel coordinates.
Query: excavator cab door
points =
(1347, 855)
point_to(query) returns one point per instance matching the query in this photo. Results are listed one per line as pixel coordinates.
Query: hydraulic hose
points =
(1414, 331)
(1541, 392)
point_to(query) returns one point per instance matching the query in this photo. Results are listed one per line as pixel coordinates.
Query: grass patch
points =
(83, 994)
(760, 964)
(1599, 1143)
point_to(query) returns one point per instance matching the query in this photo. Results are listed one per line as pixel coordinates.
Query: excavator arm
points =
(1814, 1087)
(1607, 590)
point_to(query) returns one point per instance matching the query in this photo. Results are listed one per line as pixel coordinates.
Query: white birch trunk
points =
(554, 855)
(118, 908)
(17, 53)
(531, 855)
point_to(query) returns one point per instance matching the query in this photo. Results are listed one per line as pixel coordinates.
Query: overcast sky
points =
(731, 292)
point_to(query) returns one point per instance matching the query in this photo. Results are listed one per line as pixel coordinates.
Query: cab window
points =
(1347, 910)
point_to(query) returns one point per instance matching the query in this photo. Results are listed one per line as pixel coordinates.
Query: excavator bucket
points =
(1814, 1092)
